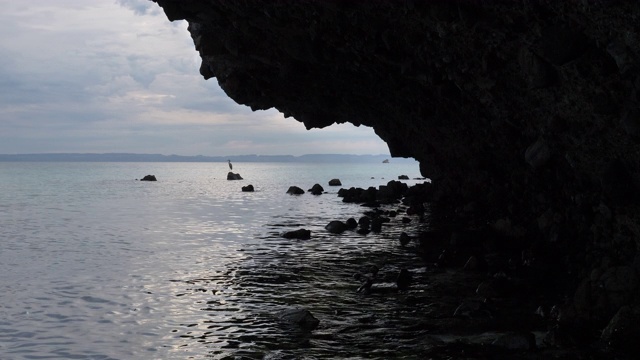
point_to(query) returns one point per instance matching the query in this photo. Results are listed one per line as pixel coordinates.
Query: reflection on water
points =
(237, 306)
(96, 265)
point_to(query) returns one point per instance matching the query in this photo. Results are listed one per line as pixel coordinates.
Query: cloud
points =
(140, 7)
(112, 76)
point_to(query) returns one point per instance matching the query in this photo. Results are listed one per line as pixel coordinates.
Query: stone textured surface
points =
(524, 111)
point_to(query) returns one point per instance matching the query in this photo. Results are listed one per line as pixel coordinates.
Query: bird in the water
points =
(230, 166)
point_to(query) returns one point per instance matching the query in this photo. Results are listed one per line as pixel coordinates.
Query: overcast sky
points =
(116, 76)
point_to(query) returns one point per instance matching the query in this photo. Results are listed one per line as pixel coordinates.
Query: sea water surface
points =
(97, 265)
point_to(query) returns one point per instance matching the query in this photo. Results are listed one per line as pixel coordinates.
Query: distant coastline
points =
(128, 157)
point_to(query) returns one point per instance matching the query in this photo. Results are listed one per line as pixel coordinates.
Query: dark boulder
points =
(248, 188)
(302, 234)
(316, 189)
(352, 223)
(404, 239)
(403, 281)
(233, 176)
(336, 227)
(403, 177)
(294, 190)
(335, 182)
(149, 178)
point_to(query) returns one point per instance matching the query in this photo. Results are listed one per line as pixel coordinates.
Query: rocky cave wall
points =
(524, 113)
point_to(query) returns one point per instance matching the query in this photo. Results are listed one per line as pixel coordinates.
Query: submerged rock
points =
(149, 178)
(300, 317)
(294, 190)
(233, 176)
(301, 234)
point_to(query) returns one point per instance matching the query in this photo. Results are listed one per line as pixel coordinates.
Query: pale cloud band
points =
(101, 76)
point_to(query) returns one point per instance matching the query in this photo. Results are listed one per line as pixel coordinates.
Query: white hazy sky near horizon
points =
(98, 76)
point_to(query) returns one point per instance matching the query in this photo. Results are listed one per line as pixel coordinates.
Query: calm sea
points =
(97, 265)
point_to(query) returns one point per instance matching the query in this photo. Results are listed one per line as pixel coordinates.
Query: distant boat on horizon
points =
(385, 161)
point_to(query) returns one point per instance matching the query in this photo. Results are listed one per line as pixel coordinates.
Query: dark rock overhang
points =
(526, 110)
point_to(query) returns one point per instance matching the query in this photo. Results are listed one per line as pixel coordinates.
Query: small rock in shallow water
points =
(335, 182)
(149, 178)
(294, 190)
(233, 176)
(248, 188)
(404, 239)
(302, 234)
(352, 223)
(316, 189)
(336, 227)
(300, 317)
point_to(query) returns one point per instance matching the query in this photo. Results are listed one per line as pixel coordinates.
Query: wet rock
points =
(316, 189)
(516, 341)
(623, 331)
(301, 234)
(619, 283)
(495, 287)
(352, 223)
(233, 176)
(376, 225)
(537, 71)
(537, 154)
(618, 184)
(472, 308)
(622, 55)
(404, 239)
(392, 192)
(336, 227)
(335, 182)
(560, 44)
(248, 188)
(364, 222)
(294, 190)
(406, 220)
(365, 288)
(299, 317)
(149, 178)
(476, 264)
(630, 122)
(404, 279)
(403, 177)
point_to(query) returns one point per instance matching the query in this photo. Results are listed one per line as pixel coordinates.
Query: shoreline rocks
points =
(294, 190)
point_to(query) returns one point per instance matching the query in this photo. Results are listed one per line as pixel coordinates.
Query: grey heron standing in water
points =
(230, 166)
